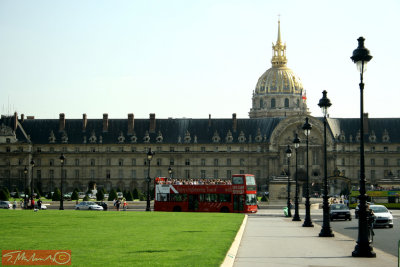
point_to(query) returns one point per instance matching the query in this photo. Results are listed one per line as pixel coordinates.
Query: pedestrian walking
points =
(39, 204)
(14, 204)
(117, 204)
(125, 205)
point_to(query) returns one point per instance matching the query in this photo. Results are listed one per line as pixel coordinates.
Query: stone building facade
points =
(112, 152)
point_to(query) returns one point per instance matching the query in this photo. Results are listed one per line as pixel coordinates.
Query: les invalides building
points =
(112, 152)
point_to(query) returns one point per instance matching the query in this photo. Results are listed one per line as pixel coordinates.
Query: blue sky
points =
(190, 58)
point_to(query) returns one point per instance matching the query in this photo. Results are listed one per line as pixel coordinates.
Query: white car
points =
(88, 205)
(5, 204)
(383, 217)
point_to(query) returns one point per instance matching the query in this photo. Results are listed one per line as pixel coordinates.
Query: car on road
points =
(88, 205)
(102, 204)
(339, 211)
(383, 217)
(5, 205)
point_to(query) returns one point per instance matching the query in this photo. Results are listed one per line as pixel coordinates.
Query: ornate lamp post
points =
(307, 221)
(296, 217)
(170, 172)
(363, 248)
(62, 160)
(25, 188)
(288, 155)
(326, 231)
(150, 155)
(32, 165)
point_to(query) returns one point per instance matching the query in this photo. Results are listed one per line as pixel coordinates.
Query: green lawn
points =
(123, 238)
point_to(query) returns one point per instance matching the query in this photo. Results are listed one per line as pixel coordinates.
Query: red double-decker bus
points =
(206, 195)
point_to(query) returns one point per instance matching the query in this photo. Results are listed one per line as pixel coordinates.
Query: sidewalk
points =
(273, 240)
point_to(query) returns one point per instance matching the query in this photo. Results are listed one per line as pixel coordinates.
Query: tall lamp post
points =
(25, 188)
(363, 248)
(326, 231)
(288, 155)
(170, 172)
(32, 165)
(150, 155)
(62, 160)
(307, 221)
(296, 217)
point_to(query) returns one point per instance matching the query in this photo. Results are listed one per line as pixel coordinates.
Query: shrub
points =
(7, 192)
(86, 198)
(99, 195)
(3, 195)
(129, 196)
(135, 193)
(112, 195)
(56, 195)
(75, 195)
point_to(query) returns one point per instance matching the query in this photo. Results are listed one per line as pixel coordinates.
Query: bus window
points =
(162, 197)
(251, 199)
(208, 197)
(250, 180)
(178, 197)
(237, 180)
(224, 197)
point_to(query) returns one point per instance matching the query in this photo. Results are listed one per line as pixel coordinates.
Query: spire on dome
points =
(279, 50)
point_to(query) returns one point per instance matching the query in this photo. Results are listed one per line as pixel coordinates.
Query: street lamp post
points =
(32, 165)
(62, 160)
(307, 221)
(296, 217)
(363, 248)
(326, 231)
(25, 188)
(170, 172)
(288, 155)
(150, 155)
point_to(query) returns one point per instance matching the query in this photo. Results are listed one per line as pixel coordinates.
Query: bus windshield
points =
(251, 199)
(250, 180)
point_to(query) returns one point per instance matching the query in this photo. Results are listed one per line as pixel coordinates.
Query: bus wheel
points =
(177, 209)
(225, 209)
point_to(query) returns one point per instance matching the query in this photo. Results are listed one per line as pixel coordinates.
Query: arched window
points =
(286, 102)
(273, 104)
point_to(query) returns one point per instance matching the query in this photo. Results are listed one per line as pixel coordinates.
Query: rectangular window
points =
(64, 149)
(187, 149)
(203, 162)
(108, 174)
(121, 162)
(228, 162)
(385, 162)
(216, 174)
(120, 174)
(38, 162)
(228, 174)
(372, 176)
(133, 162)
(228, 149)
(108, 149)
(373, 149)
(203, 149)
(51, 174)
(159, 162)
(92, 162)
(133, 174)
(108, 162)
(203, 174)
(92, 174)
(258, 162)
(76, 149)
(241, 162)
(93, 149)
(215, 162)
(159, 149)
(187, 162)
(121, 149)
(171, 149)
(385, 149)
(76, 174)
(315, 157)
(171, 162)
(51, 162)
(372, 162)
(343, 161)
(216, 149)
(187, 174)
(38, 174)
(51, 149)
(39, 149)
(133, 149)
(76, 162)
(241, 172)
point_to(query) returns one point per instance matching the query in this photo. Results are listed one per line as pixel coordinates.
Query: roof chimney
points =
(62, 122)
(22, 118)
(234, 122)
(152, 123)
(15, 121)
(131, 123)
(84, 122)
(105, 122)
(209, 120)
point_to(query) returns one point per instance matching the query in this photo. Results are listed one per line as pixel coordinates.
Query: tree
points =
(112, 195)
(56, 195)
(129, 196)
(16, 192)
(75, 195)
(135, 193)
(7, 192)
(3, 195)
(99, 195)
(86, 198)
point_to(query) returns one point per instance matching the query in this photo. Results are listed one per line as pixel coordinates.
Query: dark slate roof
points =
(171, 129)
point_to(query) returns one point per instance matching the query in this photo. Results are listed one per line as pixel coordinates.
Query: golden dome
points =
(279, 78)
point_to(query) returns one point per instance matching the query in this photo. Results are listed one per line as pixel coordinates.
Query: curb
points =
(231, 254)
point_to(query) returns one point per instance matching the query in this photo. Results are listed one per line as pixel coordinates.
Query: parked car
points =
(383, 217)
(88, 205)
(358, 208)
(103, 204)
(81, 194)
(339, 211)
(5, 204)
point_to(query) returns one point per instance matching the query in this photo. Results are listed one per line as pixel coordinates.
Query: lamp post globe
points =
(326, 231)
(170, 172)
(62, 161)
(150, 155)
(364, 247)
(289, 204)
(296, 217)
(307, 221)
(25, 185)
